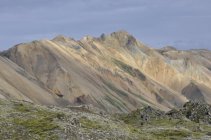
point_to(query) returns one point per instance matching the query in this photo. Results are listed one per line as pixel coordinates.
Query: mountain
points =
(115, 72)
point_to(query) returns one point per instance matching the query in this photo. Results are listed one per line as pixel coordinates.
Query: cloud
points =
(157, 22)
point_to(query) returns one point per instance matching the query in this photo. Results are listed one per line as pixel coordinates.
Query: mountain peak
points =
(61, 38)
(122, 35)
(88, 38)
(169, 48)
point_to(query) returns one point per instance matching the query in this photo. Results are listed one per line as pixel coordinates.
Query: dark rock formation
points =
(192, 92)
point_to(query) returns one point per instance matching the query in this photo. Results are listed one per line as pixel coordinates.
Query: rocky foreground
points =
(23, 120)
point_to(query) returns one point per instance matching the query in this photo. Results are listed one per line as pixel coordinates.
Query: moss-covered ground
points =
(22, 120)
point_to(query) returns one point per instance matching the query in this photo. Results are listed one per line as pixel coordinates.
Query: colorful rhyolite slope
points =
(114, 72)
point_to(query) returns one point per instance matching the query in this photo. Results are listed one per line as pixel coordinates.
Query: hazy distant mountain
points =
(114, 72)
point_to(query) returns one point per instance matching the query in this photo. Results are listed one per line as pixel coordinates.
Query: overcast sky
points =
(184, 24)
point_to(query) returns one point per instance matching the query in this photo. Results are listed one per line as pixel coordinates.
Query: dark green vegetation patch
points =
(130, 70)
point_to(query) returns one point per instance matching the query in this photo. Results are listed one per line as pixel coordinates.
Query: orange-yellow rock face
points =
(114, 72)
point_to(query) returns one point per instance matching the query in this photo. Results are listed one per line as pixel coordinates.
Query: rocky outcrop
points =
(192, 92)
(197, 112)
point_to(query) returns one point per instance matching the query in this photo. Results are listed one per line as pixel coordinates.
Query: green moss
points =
(26, 108)
(38, 126)
(133, 129)
(166, 122)
(2, 102)
(37, 122)
(129, 119)
(171, 134)
(86, 123)
(25, 121)
(162, 128)
(133, 118)
(22, 108)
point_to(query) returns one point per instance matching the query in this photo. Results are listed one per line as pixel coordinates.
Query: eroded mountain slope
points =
(15, 83)
(114, 72)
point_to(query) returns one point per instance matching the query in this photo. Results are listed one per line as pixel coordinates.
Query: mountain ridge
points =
(114, 72)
